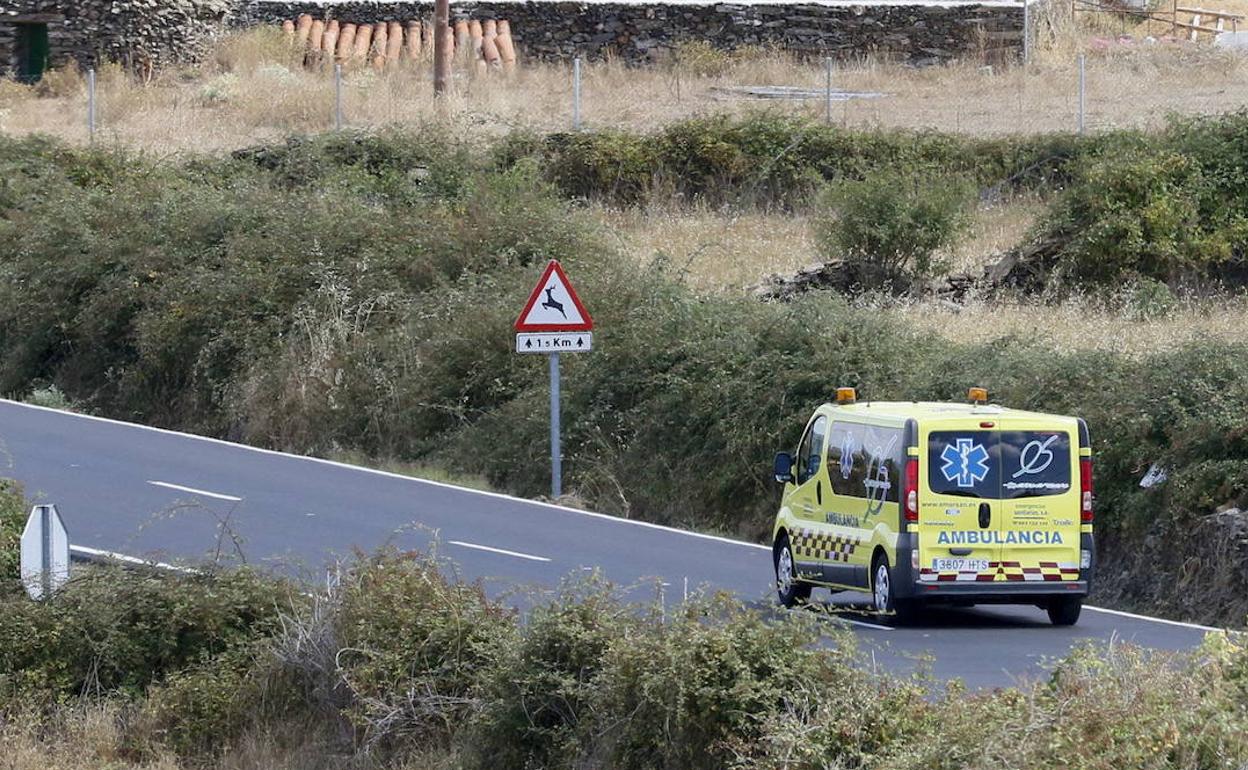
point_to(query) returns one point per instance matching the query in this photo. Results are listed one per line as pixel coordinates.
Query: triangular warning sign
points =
(553, 306)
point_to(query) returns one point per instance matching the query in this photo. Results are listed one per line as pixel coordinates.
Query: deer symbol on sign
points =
(552, 303)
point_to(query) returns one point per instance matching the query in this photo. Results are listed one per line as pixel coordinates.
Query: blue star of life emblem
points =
(965, 462)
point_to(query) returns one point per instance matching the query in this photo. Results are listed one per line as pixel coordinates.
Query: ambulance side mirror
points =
(784, 467)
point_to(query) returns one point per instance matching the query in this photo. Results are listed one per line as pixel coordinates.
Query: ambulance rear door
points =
(1040, 503)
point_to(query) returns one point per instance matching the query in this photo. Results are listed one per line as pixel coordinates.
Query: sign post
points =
(554, 321)
(45, 552)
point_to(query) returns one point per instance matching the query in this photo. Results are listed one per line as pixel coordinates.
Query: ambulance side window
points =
(811, 450)
(864, 461)
(842, 443)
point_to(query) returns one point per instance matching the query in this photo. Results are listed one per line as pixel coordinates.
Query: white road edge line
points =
(388, 474)
(864, 623)
(1152, 619)
(496, 495)
(121, 557)
(194, 491)
(503, 551)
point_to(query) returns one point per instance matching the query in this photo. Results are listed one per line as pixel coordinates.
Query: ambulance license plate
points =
(959, 565)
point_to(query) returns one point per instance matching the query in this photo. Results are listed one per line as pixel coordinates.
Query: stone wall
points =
(142, 34)
(919, 33)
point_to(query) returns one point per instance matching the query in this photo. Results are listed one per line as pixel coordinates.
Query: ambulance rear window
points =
(1035, 463)
(964, 463)
(995, 465)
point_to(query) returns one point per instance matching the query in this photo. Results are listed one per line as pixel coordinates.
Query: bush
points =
(115, 631)
(13, 513)
(1168, 208)
(889, 226)
(414, 646)
(770, 161)
(433, 675)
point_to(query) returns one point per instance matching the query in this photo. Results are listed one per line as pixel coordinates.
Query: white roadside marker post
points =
(554, 321)
(44, 552)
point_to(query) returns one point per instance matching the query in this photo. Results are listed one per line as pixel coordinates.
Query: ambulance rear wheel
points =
(789, 589)
(1064, 610)
(884, 592)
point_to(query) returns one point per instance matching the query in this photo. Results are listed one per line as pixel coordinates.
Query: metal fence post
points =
(576, 94)
(91, 104)
(828, 90)
(1082, 91)
(1026, 31)
(337, 97)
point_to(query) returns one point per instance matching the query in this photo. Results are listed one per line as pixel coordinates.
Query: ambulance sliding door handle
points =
(985, 515)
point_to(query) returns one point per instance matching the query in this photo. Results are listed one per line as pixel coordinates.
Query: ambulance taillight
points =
(911, 490)
(1085, 489)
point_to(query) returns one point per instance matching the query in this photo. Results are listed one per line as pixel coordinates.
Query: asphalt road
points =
(157, 494)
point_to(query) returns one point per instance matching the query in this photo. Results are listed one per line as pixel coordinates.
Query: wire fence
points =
(1124, 85)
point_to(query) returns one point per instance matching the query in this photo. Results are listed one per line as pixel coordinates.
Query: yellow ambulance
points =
(919, 503)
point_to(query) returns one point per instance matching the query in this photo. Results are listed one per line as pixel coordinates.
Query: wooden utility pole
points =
(441, 61)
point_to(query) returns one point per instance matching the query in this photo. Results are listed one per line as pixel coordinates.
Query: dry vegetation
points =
(733, 250)
(254, 89)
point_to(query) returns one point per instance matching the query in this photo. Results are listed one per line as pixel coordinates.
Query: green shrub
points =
(536, 697)
(1147, 299)
(1168, 208)
(771, 160)
(432, 675)
(414, 646)
(612, 165)
(13, 513)
(889, 226)
(1138, 217)
(697, 693)
(212, 703)
(111, 630)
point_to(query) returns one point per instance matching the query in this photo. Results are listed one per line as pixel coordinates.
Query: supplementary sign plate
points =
(554, 342)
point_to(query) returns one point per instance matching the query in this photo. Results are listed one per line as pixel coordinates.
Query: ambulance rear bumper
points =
(1011, 592)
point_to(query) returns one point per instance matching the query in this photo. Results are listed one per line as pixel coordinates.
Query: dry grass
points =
(730, 251)
(994, 229)
(254, 88)
(1080, 324)
(93, 735)
(715, 251)
(87, 736)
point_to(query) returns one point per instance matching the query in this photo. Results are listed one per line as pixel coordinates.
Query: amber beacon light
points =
(846, 396)
(977, 395)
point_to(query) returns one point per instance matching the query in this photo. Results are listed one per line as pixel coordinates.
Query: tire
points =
(789, 589)
(884, 593)
(1064, 610)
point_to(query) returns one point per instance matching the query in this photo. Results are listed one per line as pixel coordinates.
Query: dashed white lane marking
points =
(502, 551)
(389, 474)
(194, 491)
